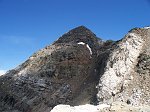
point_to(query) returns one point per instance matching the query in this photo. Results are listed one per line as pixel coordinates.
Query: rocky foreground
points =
(78, 69)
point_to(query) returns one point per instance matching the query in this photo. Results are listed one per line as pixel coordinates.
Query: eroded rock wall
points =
(120, 81)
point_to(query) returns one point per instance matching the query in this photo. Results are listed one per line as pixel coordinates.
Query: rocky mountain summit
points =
(79, 68)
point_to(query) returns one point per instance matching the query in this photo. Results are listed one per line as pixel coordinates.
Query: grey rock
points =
(127, 70)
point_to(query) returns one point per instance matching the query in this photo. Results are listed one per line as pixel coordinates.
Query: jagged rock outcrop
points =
(69, 70)
(126, 77)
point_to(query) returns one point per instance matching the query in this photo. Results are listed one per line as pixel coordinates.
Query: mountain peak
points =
(78, 34)
(78, 70)
(81, 28)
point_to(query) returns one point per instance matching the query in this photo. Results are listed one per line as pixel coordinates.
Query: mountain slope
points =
(63, 72)
(69, 70)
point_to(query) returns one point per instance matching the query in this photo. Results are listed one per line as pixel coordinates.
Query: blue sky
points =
(28, 25)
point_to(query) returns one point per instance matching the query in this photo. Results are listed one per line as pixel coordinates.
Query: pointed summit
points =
(82, 30)
(78, 34)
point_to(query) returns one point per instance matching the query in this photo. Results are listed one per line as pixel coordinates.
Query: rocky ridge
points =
(69, 70)
(120, 80)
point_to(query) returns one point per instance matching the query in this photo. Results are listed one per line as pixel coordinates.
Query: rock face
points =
(69, 70)
(127, 70)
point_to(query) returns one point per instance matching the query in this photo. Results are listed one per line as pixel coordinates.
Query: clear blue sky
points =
(28, 25)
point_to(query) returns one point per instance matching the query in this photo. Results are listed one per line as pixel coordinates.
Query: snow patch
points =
(80, 108)
(102, 106)
(81, 43)
(89, 49)
(86, 108)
